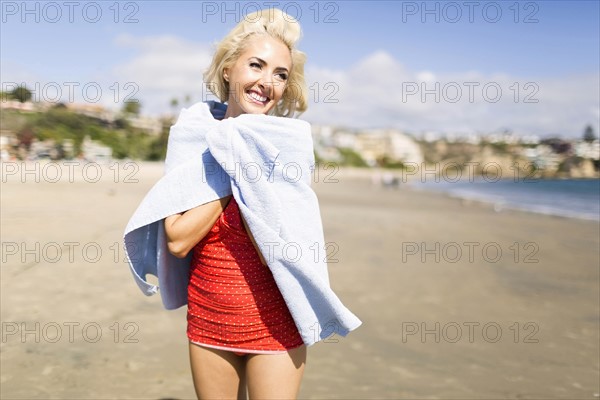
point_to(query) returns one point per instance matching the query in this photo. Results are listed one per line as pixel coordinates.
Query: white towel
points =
(266, 163)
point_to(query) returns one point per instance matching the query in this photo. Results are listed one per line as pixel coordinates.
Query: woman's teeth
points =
(258, 97)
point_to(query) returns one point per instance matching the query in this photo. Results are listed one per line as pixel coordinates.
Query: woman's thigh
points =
(217, 374)
(275, 376)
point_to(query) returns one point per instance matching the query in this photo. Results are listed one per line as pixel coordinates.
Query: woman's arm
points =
(185, 230)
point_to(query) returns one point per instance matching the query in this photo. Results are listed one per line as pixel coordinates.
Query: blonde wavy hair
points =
(279, 25)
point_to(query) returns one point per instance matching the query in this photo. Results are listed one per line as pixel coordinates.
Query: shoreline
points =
(499, 206)
(374, 176)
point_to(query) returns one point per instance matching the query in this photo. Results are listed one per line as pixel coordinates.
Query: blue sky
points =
(367, 49)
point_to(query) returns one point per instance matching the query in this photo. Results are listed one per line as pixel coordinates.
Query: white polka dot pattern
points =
(233, 300)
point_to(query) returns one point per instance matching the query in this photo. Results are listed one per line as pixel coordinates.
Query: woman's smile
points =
(257, 98)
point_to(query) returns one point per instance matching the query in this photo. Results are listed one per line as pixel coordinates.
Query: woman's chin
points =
(257, 109)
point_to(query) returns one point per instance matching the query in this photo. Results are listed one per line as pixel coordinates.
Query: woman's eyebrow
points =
(263, 62)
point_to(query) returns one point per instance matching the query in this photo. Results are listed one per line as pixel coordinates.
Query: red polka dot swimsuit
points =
(233, 300)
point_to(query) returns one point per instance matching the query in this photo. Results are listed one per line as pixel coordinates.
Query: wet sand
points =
(457, 300)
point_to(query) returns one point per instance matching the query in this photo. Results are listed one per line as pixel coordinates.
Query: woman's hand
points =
(185, 230)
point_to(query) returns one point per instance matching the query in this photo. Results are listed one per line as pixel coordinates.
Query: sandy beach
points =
(458, 301)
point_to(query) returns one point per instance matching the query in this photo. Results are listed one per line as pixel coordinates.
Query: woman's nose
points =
(266, 83)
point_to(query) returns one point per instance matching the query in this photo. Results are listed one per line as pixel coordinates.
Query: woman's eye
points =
(255, 64)
(283, 76)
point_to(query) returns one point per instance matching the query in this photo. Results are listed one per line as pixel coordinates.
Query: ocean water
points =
(573, 198)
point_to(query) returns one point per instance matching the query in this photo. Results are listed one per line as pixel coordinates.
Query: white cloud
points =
(15, 73)
(378, 91)
(426, 76)
(163, 68)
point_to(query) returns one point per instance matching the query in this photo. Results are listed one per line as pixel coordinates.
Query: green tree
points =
(158, 147)
(132, 106)
(20, 93)
(174, 104)
(588, 134)
(352, 158)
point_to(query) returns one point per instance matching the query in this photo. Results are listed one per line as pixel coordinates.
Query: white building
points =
(373, 145)
(588, 149)
(151, 125)
(95, 151)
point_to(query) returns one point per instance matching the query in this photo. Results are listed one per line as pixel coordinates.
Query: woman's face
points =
(258, 78)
